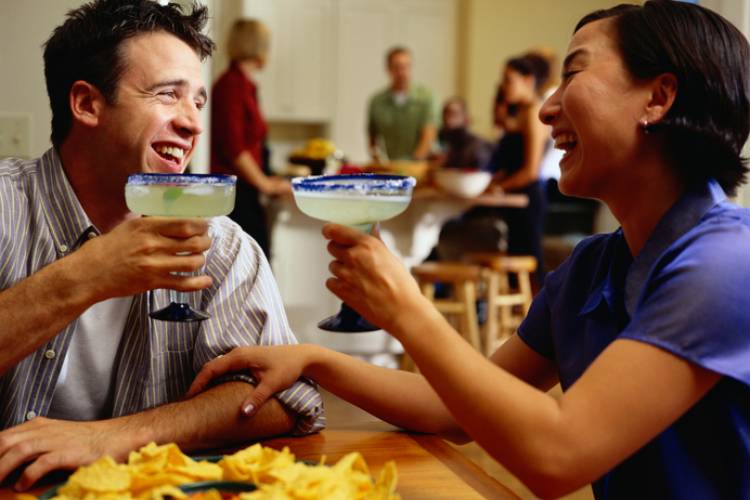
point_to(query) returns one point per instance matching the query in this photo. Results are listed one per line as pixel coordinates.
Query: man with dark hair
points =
(85, 372)
(401, 118)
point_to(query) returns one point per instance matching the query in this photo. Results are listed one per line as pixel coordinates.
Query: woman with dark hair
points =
(238, 129)
(646, 328)
(516, 161)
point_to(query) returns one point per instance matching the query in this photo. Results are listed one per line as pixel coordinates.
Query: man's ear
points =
(86, 103)
(663, 94)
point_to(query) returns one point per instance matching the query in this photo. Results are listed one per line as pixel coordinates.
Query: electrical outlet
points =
(15, 135)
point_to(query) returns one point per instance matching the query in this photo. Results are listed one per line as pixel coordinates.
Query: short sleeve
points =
(695, 302)
(535, 329)
(228, 108)
(246, 309)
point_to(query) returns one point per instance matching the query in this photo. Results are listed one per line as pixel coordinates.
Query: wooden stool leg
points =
(470, 328)
(506, 322)
(491, 326)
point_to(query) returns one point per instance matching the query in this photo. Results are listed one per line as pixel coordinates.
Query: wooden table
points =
(428, 467)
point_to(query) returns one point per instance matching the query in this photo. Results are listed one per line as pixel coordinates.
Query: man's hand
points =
(274, 367)
(141, 254)
(47, 445)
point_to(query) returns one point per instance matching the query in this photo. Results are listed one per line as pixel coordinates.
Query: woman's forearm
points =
(250, 172)
(401, 398)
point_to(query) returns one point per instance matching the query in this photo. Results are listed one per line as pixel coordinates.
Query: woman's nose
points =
(550, 109)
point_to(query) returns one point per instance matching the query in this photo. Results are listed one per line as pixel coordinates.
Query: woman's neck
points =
(248, 67)
(640, 206)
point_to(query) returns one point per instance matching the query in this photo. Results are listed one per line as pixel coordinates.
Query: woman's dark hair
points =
(87, 46)
(708, 124)
(531, 64)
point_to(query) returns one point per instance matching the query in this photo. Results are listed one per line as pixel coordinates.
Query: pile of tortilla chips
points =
(154, 472)
(279, 476)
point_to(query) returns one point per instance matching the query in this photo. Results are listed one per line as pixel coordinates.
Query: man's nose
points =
(188, 120)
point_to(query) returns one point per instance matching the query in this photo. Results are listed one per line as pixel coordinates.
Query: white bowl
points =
(463, 183)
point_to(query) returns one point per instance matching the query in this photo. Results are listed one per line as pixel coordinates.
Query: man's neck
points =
(102, 197)
(400, 88)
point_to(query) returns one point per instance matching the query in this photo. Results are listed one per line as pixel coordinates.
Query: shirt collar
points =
(68, 222)
(682, 216)
(611, 268)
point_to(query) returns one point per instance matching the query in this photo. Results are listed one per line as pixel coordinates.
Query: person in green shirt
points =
(401, 118)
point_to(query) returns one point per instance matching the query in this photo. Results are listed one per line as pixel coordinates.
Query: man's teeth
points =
(174, 152)
(565, 141)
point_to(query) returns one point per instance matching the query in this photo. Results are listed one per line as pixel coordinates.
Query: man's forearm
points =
(36, 309)
(209, 420)
(427, 136)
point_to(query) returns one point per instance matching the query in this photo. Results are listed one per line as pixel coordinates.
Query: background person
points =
(516, 161)
(460, 148)
(238, 129)
(401, 118)
(656, 403)
(84, 371)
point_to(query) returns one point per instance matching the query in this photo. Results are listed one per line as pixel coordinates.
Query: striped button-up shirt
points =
(41, 220)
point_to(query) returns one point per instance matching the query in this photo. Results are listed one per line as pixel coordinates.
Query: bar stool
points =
(464, 280)
(508, 293)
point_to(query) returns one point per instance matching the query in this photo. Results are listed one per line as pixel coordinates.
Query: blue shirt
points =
(686, 293)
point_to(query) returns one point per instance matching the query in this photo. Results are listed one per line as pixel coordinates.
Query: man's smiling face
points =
(153, 124)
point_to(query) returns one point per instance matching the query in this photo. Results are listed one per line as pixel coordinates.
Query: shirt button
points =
(63, 248)
(30, 414)
(49, 354)
(91, 235)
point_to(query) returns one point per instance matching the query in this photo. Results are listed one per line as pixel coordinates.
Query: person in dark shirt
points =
(460, 148)
(238, 130)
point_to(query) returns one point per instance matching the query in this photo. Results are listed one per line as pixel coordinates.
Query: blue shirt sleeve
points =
(695, 302)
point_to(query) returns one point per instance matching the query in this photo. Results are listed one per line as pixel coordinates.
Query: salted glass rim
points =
(181, 179)
(396, 184)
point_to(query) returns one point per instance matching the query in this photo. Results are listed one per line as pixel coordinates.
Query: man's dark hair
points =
(708, 124)
(88, 47)
(531, 64)
(393, 52)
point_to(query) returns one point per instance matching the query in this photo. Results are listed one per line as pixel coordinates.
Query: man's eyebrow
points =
(167, 83)
(572, 56)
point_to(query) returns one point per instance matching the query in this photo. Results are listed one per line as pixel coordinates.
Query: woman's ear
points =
(663, 94)
(86, 103)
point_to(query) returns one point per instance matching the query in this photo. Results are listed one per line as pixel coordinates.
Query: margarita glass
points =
(358, 201)
(180, 195)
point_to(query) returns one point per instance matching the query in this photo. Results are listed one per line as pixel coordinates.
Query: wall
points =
(24, 27)
(492, 31)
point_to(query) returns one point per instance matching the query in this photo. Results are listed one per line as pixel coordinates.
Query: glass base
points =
(347, 321)
(179, 312)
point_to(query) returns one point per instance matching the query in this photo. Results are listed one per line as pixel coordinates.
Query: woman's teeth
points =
(565, 141)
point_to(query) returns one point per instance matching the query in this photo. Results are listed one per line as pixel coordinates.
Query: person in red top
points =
(238, 129)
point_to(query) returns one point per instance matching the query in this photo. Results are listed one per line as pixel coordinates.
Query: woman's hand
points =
(274, 367)
(369, 278)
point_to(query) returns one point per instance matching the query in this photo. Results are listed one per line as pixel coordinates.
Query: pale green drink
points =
(357, 210)
(197, 200)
